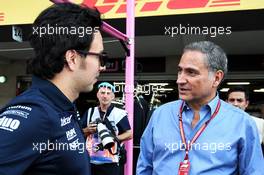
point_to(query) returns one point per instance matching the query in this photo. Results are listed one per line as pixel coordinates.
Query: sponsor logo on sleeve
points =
(15, 112)
(20, 107)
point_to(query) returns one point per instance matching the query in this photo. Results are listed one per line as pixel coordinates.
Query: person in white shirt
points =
(105, 161)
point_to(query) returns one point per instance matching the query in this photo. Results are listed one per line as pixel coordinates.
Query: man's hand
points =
(90, 129)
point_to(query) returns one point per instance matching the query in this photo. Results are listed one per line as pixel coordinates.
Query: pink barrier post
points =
(130, 60)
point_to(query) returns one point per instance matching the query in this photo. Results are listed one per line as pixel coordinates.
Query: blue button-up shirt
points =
(229, 145)
(39, 134)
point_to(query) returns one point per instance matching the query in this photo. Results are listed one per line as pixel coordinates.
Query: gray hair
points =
(215, 56)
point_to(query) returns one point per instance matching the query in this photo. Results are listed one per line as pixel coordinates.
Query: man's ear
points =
(247, 103)
(113, 96)
(219, 75)
(71, 59)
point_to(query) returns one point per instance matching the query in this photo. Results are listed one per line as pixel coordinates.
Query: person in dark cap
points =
(105, 161)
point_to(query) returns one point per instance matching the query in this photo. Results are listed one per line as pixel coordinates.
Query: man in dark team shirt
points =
(39, 131)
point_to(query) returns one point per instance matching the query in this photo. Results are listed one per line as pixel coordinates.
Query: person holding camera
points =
(105, 126)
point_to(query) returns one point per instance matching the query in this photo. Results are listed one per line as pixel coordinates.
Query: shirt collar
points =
(212, 104)
(53, 93)
(109, 109)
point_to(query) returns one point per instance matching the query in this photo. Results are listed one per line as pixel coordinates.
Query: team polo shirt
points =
(40, 134)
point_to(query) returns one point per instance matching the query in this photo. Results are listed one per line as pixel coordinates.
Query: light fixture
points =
(259, 90)
(165, 89)
(159, 84)
(2, 79)
(238, 83)
(224, 89)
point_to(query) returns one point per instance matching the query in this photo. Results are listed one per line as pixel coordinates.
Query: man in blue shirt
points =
(200, 134)
(39, 130)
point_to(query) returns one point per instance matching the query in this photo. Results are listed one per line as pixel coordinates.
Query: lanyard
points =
(198, 133)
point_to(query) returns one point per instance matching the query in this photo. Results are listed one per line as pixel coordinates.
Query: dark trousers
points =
(105, 169)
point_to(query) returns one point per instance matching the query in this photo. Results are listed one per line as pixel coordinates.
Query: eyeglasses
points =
(102, 56)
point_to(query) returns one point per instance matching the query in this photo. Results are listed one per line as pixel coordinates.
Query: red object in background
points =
(102, 8)
(109, 4)
(219, 3)
(89, 3)
(184, 4)
(2, 16)
(151, 6)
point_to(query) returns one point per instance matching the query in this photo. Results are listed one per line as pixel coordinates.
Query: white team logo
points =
(66, 120)
(71, 134)
(9, 124)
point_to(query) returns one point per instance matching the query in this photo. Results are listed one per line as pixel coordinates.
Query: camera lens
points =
(106, 139)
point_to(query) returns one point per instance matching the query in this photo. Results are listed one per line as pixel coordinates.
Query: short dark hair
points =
(50, 49)
(238, 89)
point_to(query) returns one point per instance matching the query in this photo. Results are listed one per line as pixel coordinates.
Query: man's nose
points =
(181, 79)
(235, 103)
(105, 95)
